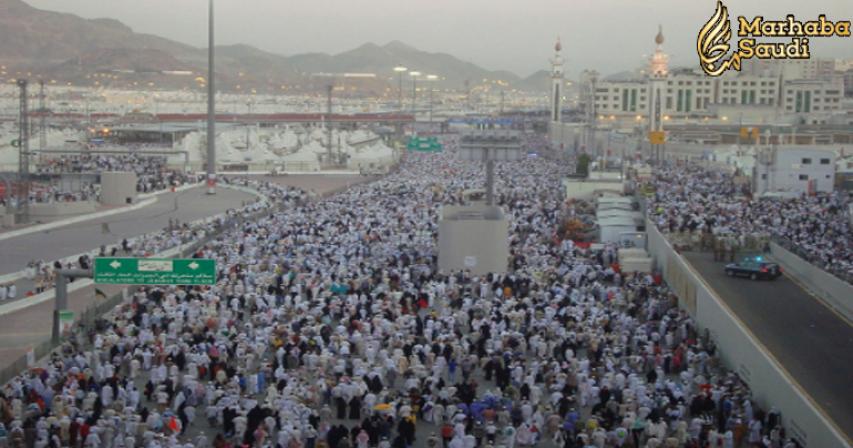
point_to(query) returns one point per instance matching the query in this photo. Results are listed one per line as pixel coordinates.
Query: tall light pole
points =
(400, 70)
(431, 78)
(23, 210)
(211, 108)
(414, 76)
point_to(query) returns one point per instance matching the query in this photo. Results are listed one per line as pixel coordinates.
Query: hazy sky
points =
(516, 35)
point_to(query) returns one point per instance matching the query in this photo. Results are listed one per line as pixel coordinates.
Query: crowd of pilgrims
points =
(152, 173)
(696, 200)
(41, 193)
(329, 326)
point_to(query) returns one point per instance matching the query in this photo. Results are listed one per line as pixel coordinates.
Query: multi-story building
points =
(847, 76)
(805, 96)
(794, 171)
(691, 94)
(814, 68)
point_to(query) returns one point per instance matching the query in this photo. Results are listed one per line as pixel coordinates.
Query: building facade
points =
(802, 88)
(793, 172)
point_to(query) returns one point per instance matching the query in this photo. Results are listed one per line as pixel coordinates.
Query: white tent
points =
(377, 156)
(302, 160)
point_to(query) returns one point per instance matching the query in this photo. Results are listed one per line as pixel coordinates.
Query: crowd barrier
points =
(741, 351)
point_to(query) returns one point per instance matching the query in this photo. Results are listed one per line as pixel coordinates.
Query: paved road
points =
(813, 343)
(24, 329)
(186, 206)
(21, 330)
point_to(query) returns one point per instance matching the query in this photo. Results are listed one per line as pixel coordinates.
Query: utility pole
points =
(42, 117)
(592, 114)
(400, 70)
(249, 106)
(211, 107)
(414, 76)
(430, 108)
(23, 156)
(329, 89)
(432, 79)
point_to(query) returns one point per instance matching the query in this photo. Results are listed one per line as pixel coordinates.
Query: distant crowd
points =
(151, 170)
(330, 326)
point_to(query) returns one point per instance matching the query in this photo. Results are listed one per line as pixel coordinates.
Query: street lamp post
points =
(414, 76)
(400, 70)
(431, 78)
(211, 108)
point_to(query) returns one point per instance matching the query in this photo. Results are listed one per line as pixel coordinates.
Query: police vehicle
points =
(756, 268)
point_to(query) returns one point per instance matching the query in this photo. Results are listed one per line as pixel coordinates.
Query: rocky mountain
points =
(539, 81)
(69, 48)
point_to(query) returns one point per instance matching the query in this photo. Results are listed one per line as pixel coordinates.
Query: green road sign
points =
(66, 321)
(155, 271)
(424, 144)
(16, 143)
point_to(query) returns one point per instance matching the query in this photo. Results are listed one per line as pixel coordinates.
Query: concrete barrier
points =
(742, 352)
(831, 290)
(58, 209)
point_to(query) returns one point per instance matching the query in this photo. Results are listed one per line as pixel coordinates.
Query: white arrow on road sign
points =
(115, 264)
(193, 265)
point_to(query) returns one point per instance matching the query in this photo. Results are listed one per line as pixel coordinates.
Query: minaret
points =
(657, 83)
(556, 83)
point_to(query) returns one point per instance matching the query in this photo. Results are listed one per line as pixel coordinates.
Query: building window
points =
(763, 176)
(807, 161)
(824, 161)
(804, 177)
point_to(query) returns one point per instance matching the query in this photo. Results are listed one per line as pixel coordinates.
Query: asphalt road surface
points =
(186, 206)
(26, 328)
(23, 329)
(813, 343)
